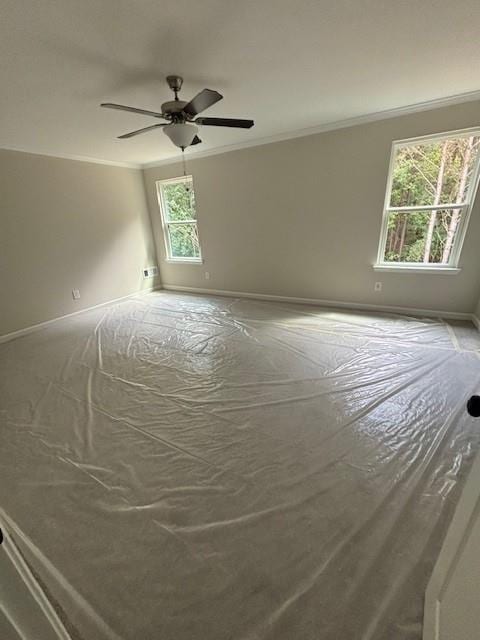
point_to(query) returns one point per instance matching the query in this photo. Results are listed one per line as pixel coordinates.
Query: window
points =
(179, 218)
(430, 191)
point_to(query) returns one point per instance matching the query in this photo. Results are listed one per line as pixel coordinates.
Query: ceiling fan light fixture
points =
(181, 133)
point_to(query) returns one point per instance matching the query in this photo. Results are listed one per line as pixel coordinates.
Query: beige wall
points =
(66, 224)
(302, 218)
(296, 218)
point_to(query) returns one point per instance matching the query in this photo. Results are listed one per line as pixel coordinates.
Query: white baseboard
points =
(41, 325)
(429, 313)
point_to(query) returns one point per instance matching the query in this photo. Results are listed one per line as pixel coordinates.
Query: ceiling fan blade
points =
(225, 122)
(122, 107)
(138, 131)
(201, 101)
(196, 140)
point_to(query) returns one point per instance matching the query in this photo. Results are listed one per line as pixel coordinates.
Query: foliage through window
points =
(430, 192)
(179, 217)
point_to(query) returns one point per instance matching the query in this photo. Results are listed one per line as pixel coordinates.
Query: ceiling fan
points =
(181, 126)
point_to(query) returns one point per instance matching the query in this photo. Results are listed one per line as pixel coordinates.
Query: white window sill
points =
(416, 268)
(184, 260)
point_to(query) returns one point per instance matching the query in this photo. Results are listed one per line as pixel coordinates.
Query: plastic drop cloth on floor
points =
(178, 467)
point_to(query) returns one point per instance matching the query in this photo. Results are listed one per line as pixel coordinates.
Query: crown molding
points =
(70, 156)
(436, 103)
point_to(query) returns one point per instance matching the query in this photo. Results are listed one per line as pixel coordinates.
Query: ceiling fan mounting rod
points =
(175, 84)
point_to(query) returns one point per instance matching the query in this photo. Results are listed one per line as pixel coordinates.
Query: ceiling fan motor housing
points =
(174, 108)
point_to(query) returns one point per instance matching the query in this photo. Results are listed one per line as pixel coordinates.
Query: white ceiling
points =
(288, 64)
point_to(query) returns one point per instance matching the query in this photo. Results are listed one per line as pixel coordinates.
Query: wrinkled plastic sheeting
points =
(184, 467)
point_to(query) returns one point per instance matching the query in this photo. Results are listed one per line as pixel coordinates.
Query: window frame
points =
(466, 209)
(162, 205)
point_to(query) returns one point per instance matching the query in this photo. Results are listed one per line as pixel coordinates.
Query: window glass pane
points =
(184, 240)
(433, 173)
(179, 200)
(421, 236)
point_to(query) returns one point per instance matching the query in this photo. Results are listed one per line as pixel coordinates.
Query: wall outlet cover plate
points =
(150, 272)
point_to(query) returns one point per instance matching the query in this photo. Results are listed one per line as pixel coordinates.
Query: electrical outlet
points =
(207, 275)
(76, 294)
(378, 286)
(150, 272)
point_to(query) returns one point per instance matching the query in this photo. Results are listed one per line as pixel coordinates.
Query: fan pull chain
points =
(184, 165)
